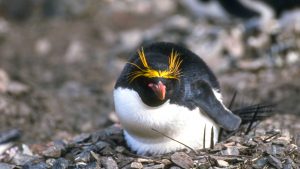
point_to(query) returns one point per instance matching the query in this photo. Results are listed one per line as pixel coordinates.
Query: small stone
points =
(54, 151)
(5, 147)
(50, 161)
(106, 151)
(6, 166)
(26, 150)
(166, 162)
(84, 156)
(288, 164)
(158, 166)
(81, 138)
(22, 159)
(101, 145)
(61, 163)
(260, 163)
(231, 151)
(136, 165)
(274, 162)
(175, 167)
(17, 88)
(182, 160)
(222, 163)
(4, 80)
(9, 135)
(144, 160)
(282, 141)
(38, 165)
(109, 163)
(119, 149)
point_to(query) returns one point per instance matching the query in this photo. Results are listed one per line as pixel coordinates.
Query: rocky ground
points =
(58, 67)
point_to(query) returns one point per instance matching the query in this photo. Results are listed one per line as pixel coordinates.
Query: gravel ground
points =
(58, 67)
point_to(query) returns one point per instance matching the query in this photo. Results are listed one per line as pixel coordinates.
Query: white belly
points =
(175, 121)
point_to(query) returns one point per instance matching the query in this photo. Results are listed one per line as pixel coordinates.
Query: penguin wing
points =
(202, 95)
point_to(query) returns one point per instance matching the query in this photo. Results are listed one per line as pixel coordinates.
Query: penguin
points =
(167, 90)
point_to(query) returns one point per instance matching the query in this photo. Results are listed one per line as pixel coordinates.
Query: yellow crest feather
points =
(173, 71)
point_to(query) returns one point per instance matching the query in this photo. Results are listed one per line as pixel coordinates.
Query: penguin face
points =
(155, 77)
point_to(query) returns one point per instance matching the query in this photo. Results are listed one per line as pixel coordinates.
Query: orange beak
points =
(159, 89)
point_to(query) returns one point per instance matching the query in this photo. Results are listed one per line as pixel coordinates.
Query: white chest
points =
(180, 123)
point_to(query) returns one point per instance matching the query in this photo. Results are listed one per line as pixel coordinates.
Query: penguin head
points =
(154, 76)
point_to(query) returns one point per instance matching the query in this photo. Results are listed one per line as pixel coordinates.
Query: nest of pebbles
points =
(269, 145)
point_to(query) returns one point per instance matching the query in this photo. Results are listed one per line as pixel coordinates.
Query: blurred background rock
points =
(59, 59)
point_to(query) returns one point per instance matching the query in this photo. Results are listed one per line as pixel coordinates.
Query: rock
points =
(231, 151)
(60, 163)
(288, 164)
(274, 162)
(22, 159)
(55, 150)
(120, 149)
(17, 88)
(82, 138)
(182, 160)
(136, 165)
(7, 166)
(5, 147)
(42, 46)
(260, 163)
(109, 163)
(38, 165)
(84, 156)
(4, 80)
(222, 163)
(175, 167)
(75, 52)
(166, 162)
(158, 166)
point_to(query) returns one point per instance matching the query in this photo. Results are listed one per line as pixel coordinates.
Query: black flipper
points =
(203, 96)
(250, 116)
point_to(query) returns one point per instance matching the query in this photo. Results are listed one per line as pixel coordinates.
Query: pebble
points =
(182, 160)
(109, 163)
(54, 151)
(22, 159)
(84, 156)
(4, 80)
(38, 165)
(60, 163)
(260, 163)
(274, 161)
(136, 165)
(222, 163)
(17, 88)
(157, 166)
(231, 151)
(288, 164)
(82, 138)
(6, 166)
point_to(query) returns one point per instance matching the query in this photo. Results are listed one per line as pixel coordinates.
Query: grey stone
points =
(136, 165)
(6, 166)
(109, 163)
(22, 159)
(84, 156)
(260, 163)
(38, 165)
(274, 161)
(61, 163)
(182, 160)
(82, 138)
